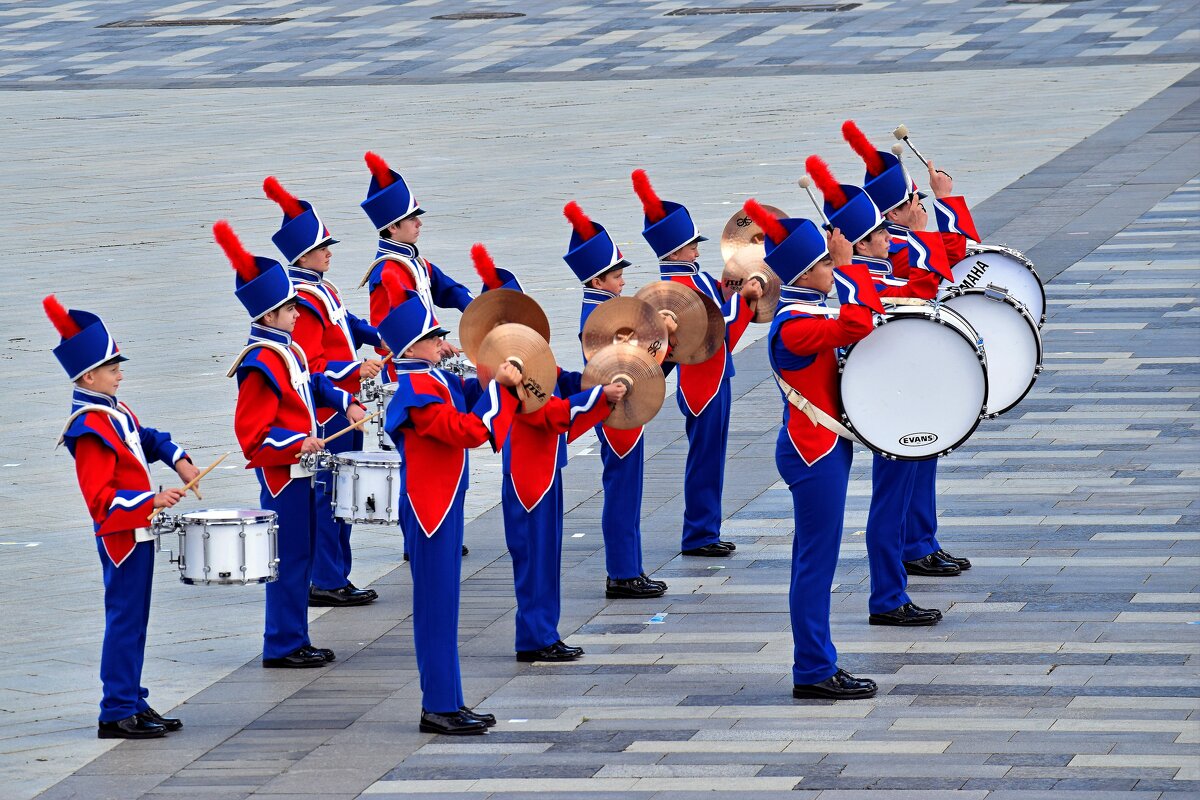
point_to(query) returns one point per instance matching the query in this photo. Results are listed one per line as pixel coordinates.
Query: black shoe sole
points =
(647, 596)
(115, 735)
(923, 573)
(468, 732)
(915, 622)
(272, 664)
(822, 695)
(722, 553)
(314, 603)
(524, 659)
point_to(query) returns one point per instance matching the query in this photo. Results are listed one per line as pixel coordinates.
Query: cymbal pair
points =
(743, 251)
(504, 326)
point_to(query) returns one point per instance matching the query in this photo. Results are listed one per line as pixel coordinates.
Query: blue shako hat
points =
(591, 252)
(887, 182)
(792, 245)
(261, 284)
(848, 207)
(388, 196)
(301, 230)
(86, 343)
(493, 277)
(410, 320)
(668, 226)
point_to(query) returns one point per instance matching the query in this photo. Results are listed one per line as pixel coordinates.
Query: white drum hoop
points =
(345, 470)
(976, 248)
(240, 517)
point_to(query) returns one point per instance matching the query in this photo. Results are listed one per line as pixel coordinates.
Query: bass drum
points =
(1010, 335)
(1005, 268)
(917, 386)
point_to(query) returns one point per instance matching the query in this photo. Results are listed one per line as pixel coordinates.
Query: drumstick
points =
(352, 426)
(901, 133)
(191, 485)
(806, 184)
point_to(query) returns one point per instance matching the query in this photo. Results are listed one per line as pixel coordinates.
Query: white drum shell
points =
(1006, 268)
(1011, 339)
(366, 487)
(382, 396)
(227, 546)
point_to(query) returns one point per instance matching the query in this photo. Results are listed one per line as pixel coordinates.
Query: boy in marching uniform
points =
(330, 337)
(534, 457)
(704, 394)
(434, 418)
(276, 423)
(594, 258)
(811, 454)
(112, 452)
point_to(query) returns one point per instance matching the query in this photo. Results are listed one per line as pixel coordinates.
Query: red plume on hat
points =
(580, 221)
(830, 188)
(60, 317)
(397, 292)
(485, 266)
(286, 200)
(379, 169)
(862, 145)
(764, 219)
(651, 203)
(239, 257)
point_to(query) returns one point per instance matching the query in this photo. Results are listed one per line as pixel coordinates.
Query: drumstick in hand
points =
(352, 426)
(194, 482)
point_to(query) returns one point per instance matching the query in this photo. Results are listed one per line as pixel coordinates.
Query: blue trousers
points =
(819, 505)
(920, 524)
(704, 476)
(331, 556)
(621, 519)
(286, 627)
(435, 563)
(891, 497)
(126, 616)
(534, 540)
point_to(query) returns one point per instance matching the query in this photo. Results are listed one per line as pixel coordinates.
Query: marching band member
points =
(811, 456)
(429, 421)
(594, 258)
(330, 336)
(275, 423)
(704, 394)
(534, 457)
(112, 452)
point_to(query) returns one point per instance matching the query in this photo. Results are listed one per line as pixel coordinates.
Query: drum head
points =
(1008, 272)
(228, 516)
(1012, 343)
(914, 388)
(386, 458)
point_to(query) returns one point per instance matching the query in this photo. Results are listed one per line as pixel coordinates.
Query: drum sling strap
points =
(805, 406)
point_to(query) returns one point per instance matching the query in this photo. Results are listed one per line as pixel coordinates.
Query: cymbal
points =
(529, 352)
(497, 307)
(641, 374)
(699, 334)
(747, 264)
(625, 319)
(741, 231)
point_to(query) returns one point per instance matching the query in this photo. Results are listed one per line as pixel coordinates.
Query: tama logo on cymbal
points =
(918, 439)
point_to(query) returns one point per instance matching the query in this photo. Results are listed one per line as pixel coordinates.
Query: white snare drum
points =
(1010, 336)
(382, 395)
(224, 545)
(366, 487)
(1007, 268)
(917, 386)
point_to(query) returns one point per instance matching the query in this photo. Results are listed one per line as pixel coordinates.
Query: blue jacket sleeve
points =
(157, 446)
(327, 395)
(447, 292)
(363, 331)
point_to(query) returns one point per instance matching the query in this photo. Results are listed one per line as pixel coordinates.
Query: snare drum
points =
(224, 545)
(1007, 268)
(1010, 335)
(381, 396)
(917, 386)
(366, 487)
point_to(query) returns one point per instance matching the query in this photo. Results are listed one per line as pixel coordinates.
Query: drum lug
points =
(994, 292)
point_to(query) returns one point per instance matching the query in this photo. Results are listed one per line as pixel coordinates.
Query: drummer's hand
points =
(508, 375)
(355, 413)
(187, 470)
(448, 350)
(752, 290)
(369, 368)
(841, 252)
(614, 392)
(167, 498)
(669, 321)
(941, 183)
(920, 217)
(312, 445)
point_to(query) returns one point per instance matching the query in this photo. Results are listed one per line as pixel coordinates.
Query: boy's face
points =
(317, 260)
(104, 379)
(820, 277)
(613, 281)
(406, 230)
(427, 349)
(689, 252)
(876, 244)
(283, 318)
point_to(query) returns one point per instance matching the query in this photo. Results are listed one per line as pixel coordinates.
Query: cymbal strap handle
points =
(622, 378)
(516, 362)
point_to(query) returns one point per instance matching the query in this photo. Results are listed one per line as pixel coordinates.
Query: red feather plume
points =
(485, 266)
(770, 225)
(380, 169)
(58, 315)
(862, 145)
(651, 204)
(396, 291)
(818, 170)
(239, 257)
(286, 200)
(579, 221)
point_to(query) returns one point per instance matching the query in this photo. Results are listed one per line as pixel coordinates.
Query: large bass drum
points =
(917, 386)
(1007, 268)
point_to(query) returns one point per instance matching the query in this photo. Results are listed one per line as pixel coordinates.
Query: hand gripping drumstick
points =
(806, 184)
(194, 482)
(353, 425)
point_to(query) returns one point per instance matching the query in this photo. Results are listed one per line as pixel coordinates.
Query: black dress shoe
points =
(323, 652)
(487, 719)
(466, 550)
(653, 582)
(841, 686)
(337, 598)
(932, 566)
(730, 546)
(636, 588)
(170, 723)
(963, 564)
(406, 556)
(300, 658)
(374, 594)
(907, 615)
(135, 727)
(553, 652)
(455, 723)
(711, 550)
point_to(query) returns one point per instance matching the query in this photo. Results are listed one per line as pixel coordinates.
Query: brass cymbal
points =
(529, 352)
(642, 376)
(741, 231)
(699, 334)
(497, 307)
(625, 319)
(747, 264)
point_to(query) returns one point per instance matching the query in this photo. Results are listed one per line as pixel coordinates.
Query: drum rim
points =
(975, 248)
(340, 458)
(259, 515)
(219, 582)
